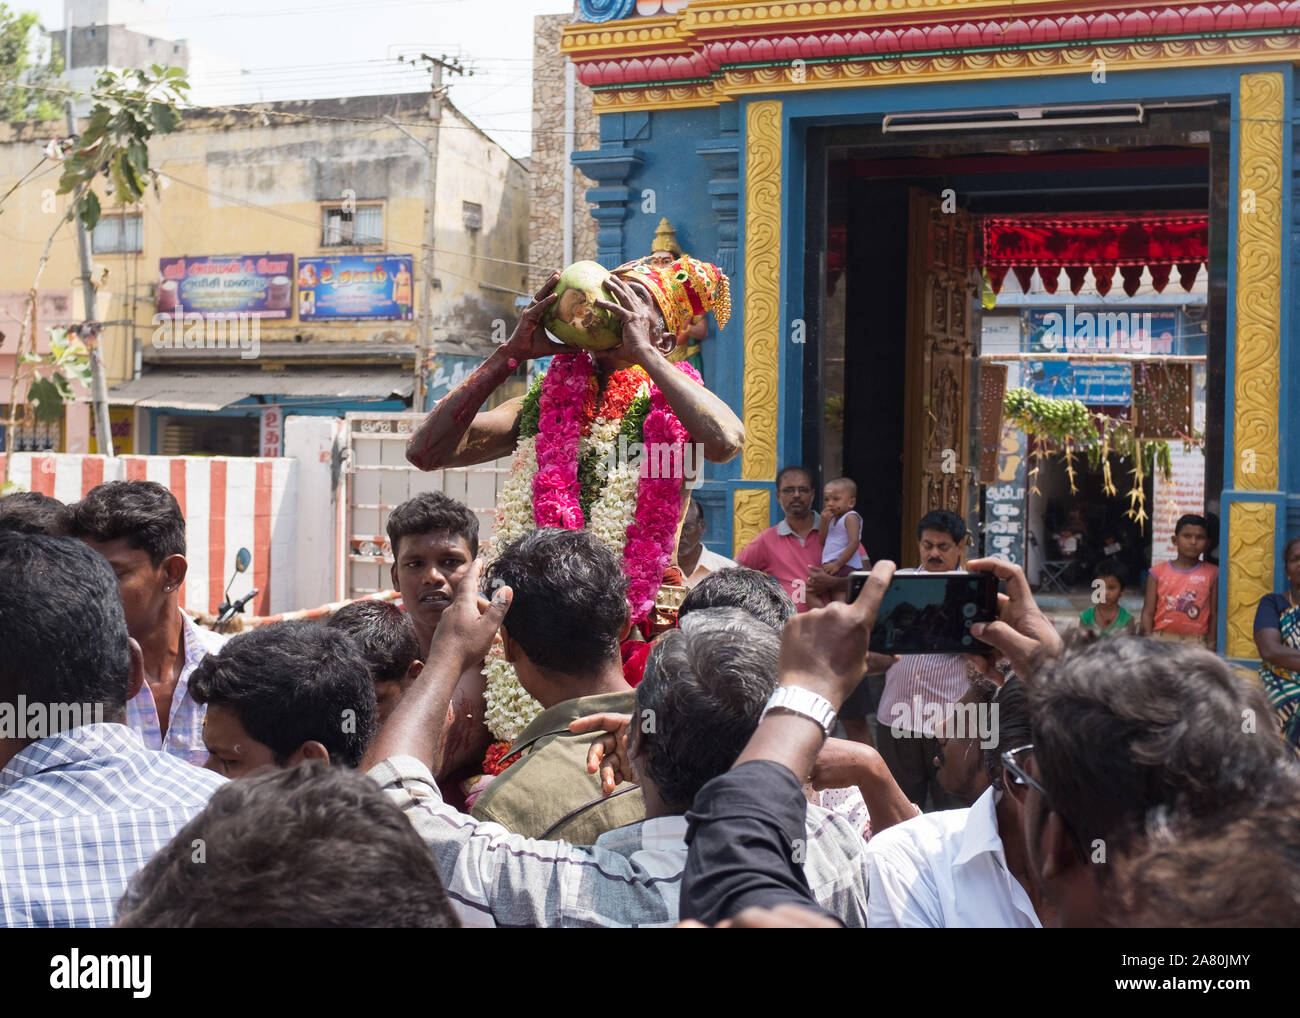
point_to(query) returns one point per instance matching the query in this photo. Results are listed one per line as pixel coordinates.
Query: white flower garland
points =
(509, 707)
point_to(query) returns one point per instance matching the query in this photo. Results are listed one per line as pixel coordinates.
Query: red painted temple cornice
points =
(704, 41)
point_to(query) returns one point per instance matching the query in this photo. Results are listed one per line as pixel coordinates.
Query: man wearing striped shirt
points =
(917, 682)
(139, 528)
(83, 804)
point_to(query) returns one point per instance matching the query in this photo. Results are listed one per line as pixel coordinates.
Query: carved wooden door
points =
(937, 470)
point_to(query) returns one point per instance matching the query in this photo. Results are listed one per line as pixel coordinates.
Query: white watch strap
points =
(805, 703)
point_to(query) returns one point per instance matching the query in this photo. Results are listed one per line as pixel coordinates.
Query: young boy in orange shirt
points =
(1181, 595)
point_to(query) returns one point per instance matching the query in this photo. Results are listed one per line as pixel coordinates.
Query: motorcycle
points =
(228, 609)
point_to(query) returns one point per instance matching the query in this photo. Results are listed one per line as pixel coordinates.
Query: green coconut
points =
(575, 319)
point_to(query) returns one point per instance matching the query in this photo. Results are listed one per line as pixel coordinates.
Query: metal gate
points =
(379, 479)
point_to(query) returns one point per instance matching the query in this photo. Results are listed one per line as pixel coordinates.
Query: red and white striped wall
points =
(228, 502)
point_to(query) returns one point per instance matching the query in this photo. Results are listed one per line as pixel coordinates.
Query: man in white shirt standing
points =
(139, 528)
(695, 560)
(963, 867)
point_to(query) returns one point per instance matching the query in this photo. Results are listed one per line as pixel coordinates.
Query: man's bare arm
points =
(455, 434)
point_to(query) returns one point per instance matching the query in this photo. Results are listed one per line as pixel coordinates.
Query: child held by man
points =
(1181, 595)
(840, 529)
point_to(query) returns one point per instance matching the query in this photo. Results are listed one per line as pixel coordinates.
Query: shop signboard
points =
(1005, 502)
(355, 287)
(1093, 383)
(253, 286)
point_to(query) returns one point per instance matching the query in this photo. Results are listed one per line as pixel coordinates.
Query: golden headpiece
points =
(683, 290)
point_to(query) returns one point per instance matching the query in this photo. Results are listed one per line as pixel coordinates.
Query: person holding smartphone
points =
(915, 683)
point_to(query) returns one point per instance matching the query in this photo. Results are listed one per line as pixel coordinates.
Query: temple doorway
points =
(909, 352)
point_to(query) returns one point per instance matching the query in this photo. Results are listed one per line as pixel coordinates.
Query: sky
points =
(292, 49)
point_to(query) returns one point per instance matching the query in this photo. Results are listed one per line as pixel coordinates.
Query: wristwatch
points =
(805, 703)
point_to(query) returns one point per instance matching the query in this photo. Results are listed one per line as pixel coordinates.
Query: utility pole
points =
(425, 346)
(90, 330)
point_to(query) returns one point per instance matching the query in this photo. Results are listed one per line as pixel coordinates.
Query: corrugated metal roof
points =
(215, 390)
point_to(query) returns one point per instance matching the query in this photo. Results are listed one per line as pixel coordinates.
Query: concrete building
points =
(279, 268)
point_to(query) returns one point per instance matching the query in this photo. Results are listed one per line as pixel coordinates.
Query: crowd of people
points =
(307, 773)
(596, 720)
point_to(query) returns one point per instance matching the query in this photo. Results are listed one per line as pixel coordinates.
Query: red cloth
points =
(1101, 242)
(635, 653)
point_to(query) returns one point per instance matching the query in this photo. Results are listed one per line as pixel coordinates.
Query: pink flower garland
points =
(652, 535)
(555, 485)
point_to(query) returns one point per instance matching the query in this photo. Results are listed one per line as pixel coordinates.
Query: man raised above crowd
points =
(138, 527)
(597, 433)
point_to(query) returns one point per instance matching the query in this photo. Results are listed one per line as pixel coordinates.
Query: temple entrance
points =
(909, 352)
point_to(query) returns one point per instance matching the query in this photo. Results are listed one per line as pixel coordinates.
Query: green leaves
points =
(67, 361)
(129, 109)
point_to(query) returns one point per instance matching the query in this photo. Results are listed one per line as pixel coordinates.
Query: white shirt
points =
(945, 870)
(710, 562)
(184, 736)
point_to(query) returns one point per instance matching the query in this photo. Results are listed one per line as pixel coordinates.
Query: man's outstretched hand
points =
(608, 752)
(1022, 632)
(465, 632)
(825, 649)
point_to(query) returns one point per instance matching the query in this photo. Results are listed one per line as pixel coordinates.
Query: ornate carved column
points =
(1254, 502)
(762, 326)
(609, 166)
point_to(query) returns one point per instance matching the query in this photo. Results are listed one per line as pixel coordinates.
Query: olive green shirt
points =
(547, 793)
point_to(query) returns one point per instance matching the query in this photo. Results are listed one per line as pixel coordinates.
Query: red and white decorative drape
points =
(1158, 242)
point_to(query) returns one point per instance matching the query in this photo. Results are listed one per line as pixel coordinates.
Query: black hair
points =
(145, 513)
(313, 846)
(945, 521)
(795, 468)
(432, 512)
(1191, 520)
(1012, 727)
(570, 599)
(1125, 726)
(706, 684)
(385, 634)
(1108, 568)
(291, 683)
(65, 640)
(30, 512)
(691, 504)
(758, 594)
(1286, 548)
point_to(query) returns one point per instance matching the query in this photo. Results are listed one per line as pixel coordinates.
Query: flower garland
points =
(569, 387)
(569, 432)
(649, 546)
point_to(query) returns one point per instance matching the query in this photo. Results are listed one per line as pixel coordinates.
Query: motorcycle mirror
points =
(242, 560)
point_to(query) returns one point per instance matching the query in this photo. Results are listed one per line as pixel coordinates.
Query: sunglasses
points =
(1016, 762)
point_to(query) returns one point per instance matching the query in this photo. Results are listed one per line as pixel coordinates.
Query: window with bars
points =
(352, 226)
(118, 234)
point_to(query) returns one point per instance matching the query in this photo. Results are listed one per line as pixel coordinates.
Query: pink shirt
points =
(780, 552)
(1183, 598)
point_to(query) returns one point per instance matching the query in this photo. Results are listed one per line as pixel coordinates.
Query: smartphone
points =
(931, 613)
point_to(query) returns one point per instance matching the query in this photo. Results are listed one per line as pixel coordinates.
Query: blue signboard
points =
(355, 287)
(1102, 329)
(1091, 383)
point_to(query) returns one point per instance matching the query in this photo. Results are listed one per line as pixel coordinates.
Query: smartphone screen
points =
(931, 613)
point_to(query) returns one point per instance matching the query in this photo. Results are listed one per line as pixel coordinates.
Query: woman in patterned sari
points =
(1277, 637)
